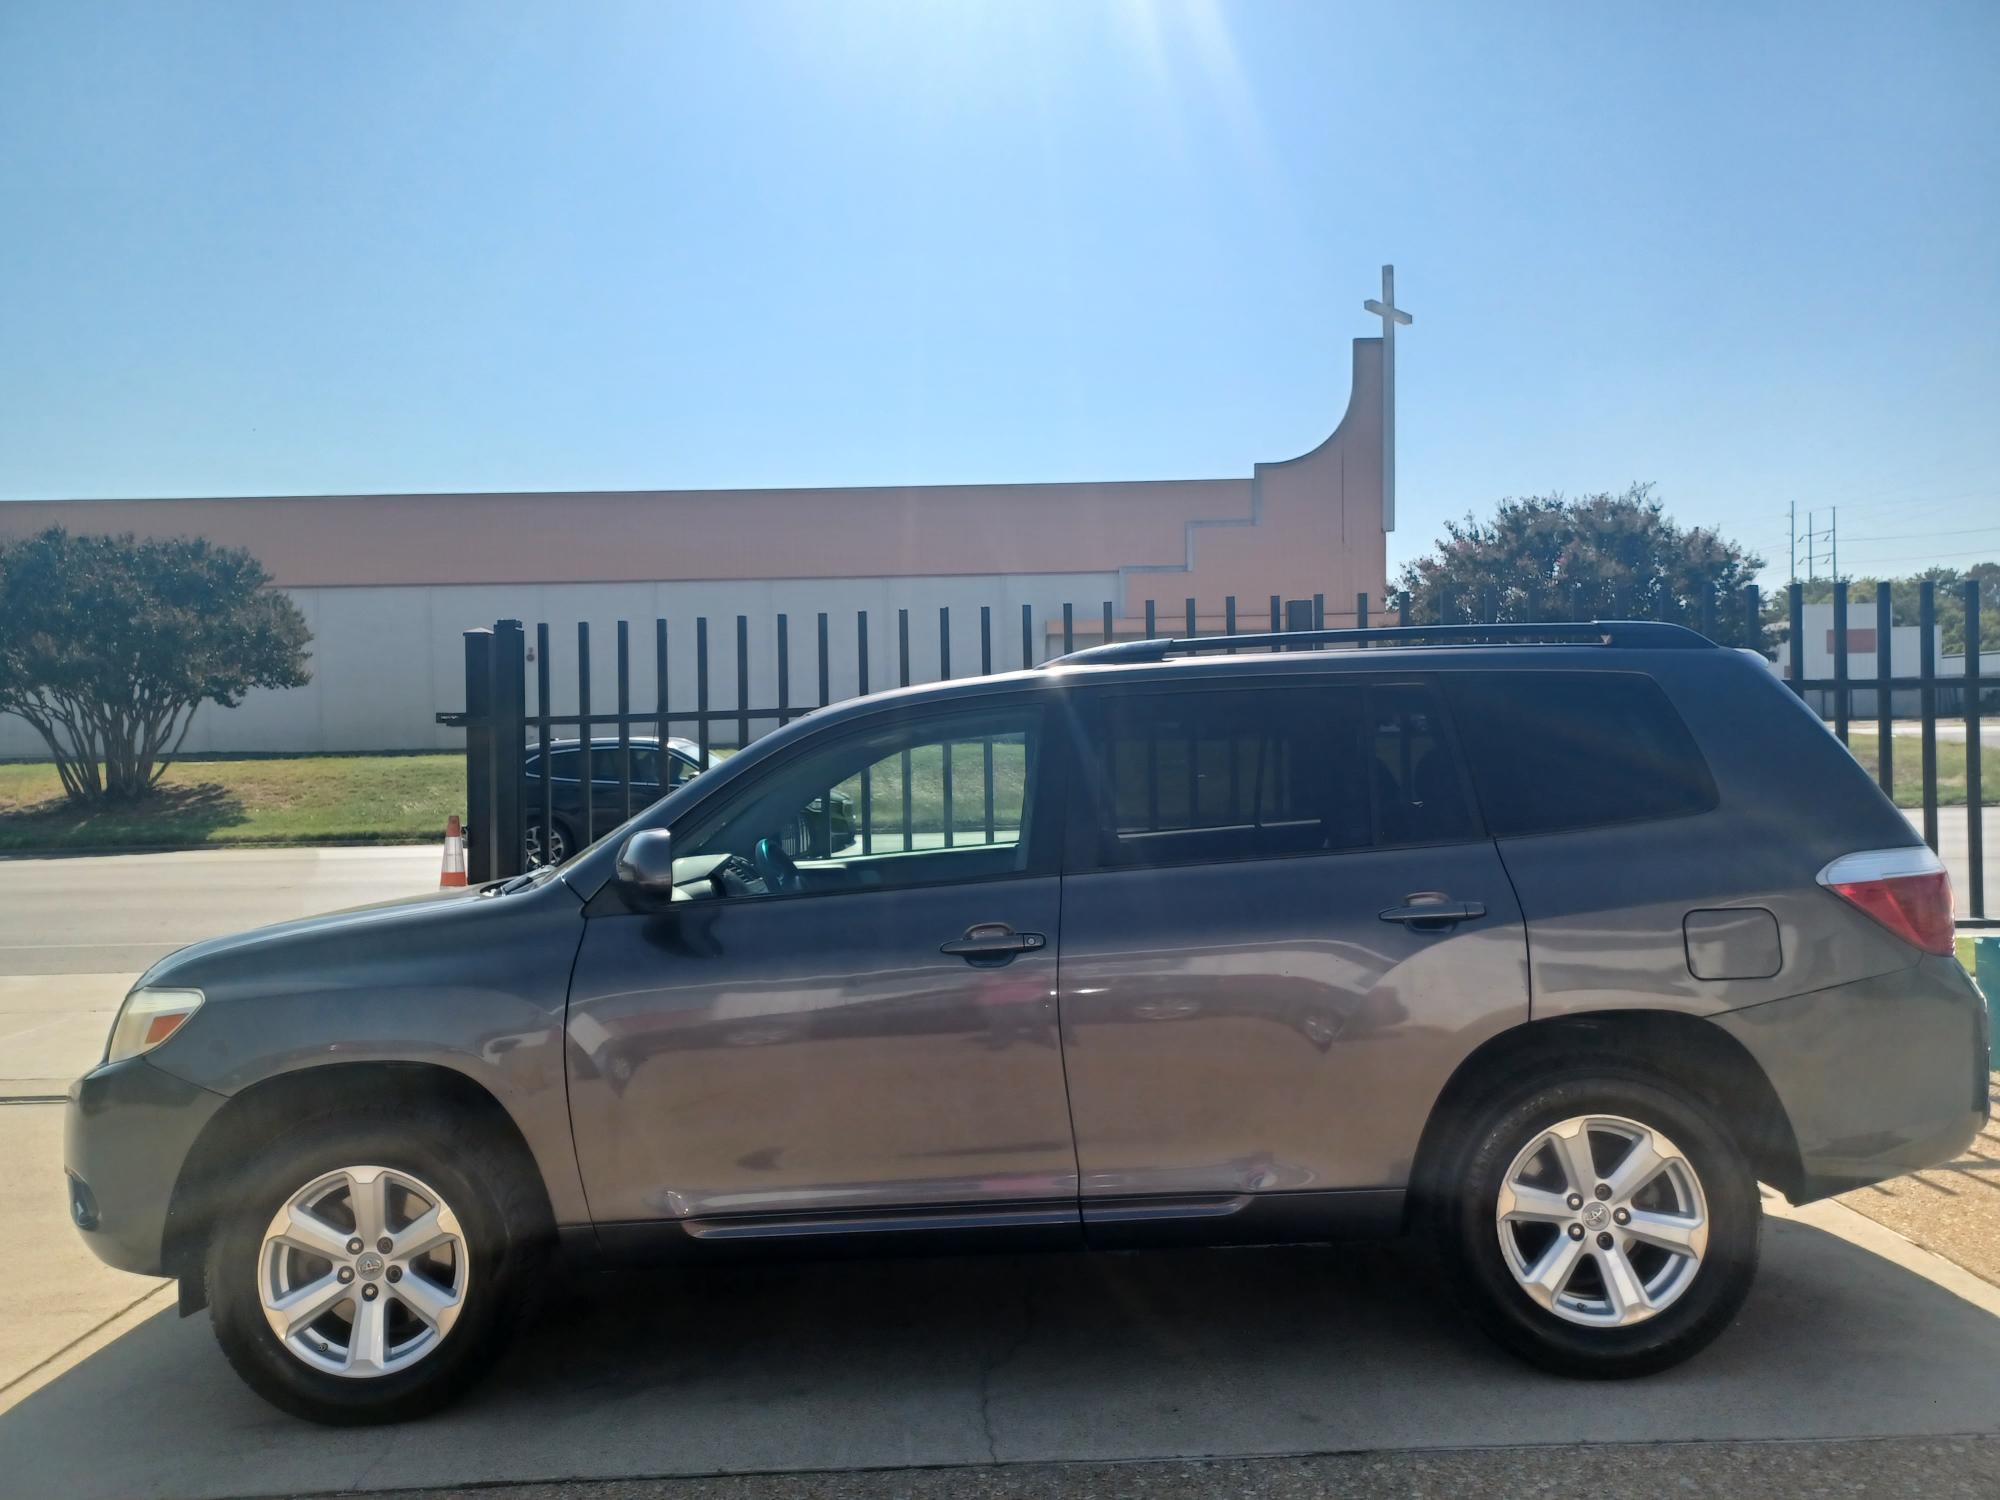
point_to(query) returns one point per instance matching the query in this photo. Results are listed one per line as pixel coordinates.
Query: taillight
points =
(1907, 890)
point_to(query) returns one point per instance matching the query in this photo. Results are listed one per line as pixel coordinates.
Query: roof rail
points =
(1640, 633)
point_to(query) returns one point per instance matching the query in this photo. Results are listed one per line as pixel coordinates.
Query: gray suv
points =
(1546, 943)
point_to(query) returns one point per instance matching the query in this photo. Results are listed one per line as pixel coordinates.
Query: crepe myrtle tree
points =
(1602, 556)
(108, 644)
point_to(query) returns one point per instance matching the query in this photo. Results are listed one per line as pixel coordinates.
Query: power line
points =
(1905, 536)
(1989, 552)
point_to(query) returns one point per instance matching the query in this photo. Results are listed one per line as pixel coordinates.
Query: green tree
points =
(109, 644)
(1603, 556)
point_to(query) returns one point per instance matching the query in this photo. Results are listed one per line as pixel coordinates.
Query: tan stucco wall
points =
(1309, 525)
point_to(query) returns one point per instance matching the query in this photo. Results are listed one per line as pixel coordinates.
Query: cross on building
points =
(1391, 315)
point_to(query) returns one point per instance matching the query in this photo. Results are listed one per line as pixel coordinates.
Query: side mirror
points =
(646, 863)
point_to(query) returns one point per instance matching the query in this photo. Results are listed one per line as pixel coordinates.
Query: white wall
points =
(385, 660)
(1905, 660)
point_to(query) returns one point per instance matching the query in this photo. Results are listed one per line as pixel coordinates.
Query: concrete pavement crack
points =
(998, 1360)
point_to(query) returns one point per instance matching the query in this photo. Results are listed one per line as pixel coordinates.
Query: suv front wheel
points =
(1599, 1223)
(373, 1265)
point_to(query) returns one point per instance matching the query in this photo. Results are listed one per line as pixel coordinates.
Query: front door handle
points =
(992, 943)
(1428, 913)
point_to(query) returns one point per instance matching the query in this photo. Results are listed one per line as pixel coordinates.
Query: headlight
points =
(148, 1018)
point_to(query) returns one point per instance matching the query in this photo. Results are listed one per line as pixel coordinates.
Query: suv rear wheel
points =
(373, 1267)
(1600, 1223)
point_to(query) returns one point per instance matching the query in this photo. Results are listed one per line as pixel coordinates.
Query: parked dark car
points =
(1546, 944)
(657, 768)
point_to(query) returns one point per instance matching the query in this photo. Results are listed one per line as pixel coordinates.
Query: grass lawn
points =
(304, 799)
(1907, 753)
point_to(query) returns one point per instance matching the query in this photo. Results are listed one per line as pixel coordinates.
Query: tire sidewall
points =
(431, 1155)
(1478, 1266)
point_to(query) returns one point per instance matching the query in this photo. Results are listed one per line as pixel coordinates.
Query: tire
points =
(476, 1286)
(1675, 1302)
(561, 844)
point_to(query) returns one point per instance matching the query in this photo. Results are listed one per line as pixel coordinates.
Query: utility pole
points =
(1793, 532)
(1834, 532)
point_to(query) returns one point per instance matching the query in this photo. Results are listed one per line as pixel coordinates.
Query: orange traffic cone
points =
(453, 872)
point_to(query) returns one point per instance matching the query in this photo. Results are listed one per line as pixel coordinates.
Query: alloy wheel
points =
(363, 1272)
(558, 846)
(1602, 1221)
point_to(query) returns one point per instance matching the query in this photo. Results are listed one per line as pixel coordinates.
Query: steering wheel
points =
(779, 869)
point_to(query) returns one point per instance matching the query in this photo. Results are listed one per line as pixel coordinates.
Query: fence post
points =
(662, 725)
(701, 687)
(1795, 651)
(1840, 659)
(545, 780)
(624, 720)
(825, 672)
(508, 710)
(784, 670)
(1927, 702)
(1975, 826)
(586, 772)
(1753, 618)
(742, 681)
(1361, 610)
(1885, 754)
(478, 756)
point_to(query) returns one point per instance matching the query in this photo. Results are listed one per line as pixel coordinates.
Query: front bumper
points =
(127, 1131)
(1881, 1077)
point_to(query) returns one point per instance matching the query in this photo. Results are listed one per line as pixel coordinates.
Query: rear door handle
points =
(1433, 916)
(992, 943)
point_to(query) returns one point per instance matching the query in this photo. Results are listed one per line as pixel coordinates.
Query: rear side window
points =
(1199, 777)
(1563, 750)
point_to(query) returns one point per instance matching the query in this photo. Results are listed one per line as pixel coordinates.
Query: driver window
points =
(915, 801)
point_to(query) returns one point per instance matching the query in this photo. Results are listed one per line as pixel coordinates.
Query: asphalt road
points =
(858, 1373)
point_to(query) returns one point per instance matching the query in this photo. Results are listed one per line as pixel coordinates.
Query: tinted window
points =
(1262, 772)
(679, 768)
(1557, 750)
(562, 765)
(1419, 796)
(604, 764)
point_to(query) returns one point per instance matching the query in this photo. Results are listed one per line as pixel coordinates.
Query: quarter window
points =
(1552, 751)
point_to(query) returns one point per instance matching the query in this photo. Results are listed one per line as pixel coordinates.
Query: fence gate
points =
(502, 729)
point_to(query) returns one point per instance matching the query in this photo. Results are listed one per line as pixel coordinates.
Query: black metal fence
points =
(502, 728)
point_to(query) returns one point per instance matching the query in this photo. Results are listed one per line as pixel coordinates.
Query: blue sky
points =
(1749, 252)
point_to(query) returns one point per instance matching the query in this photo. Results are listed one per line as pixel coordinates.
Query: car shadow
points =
(907, 1362)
